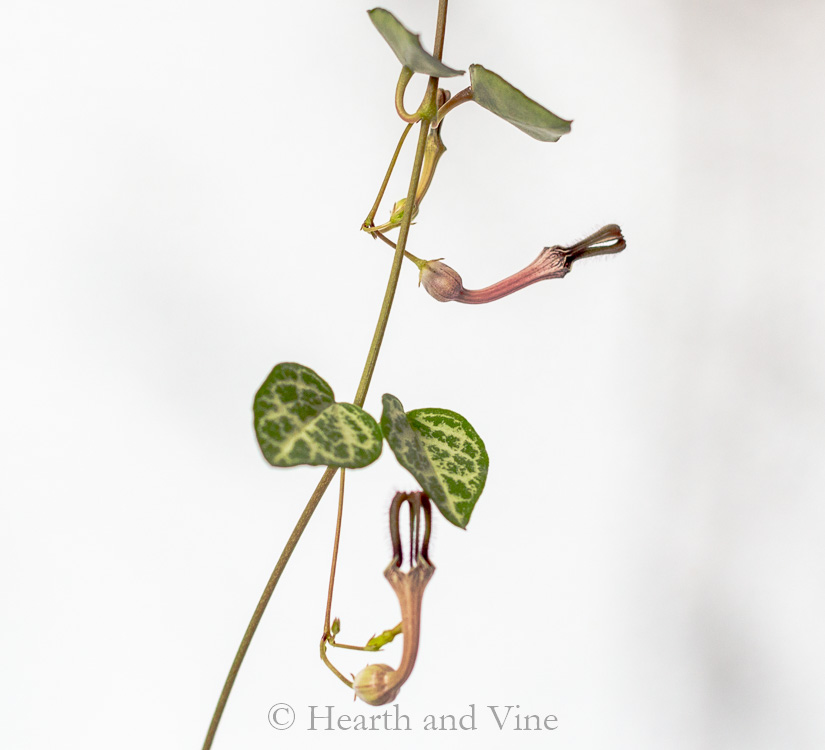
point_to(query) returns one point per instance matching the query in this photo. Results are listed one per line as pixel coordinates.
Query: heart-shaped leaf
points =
(492, 92)
(407, 46)
(297, 422)
(442, 451)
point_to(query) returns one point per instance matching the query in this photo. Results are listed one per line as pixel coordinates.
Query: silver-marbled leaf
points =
(297, 421)
(442, 451)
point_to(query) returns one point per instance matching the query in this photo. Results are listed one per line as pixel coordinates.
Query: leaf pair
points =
(298, 422)
(488, 89)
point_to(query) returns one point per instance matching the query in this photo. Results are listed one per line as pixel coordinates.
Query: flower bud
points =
(440, 281)
(376, 684)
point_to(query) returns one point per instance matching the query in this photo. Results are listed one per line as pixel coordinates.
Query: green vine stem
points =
(401, 87)
(360, 396)
(327, 631)
(328, 636)
(409, 256)
(332, 668)
(465, 95)
(368, 222)
(289, 547)
(395, 271)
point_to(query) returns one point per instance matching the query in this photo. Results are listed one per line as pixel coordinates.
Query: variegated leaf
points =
(407, 46)
(442, 451)
(492, 92)
(297, 421)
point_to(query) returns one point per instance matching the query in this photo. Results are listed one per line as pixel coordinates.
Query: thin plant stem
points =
(334, 553)
(395, 271)
(368, 222)
(327, 634)
(440, 28)
(331, 666)
(401, 87)
(465, 95)
(360, 397)
(303, 520)
(349, 646)
(381, 236)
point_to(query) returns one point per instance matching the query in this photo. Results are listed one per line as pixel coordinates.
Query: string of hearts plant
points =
(298, 421)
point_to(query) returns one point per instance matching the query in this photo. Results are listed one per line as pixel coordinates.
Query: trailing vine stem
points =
(428, 112)
(289, 547)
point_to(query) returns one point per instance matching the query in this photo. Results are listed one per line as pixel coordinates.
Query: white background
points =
(181, 189)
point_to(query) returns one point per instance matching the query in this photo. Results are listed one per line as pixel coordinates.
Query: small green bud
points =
(396, 217)
(388, 636)
(398, 211)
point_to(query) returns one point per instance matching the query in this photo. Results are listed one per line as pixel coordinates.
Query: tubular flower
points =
(378, 684)
(444, 284)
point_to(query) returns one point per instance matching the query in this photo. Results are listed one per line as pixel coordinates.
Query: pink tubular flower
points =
(378, 684)
(444, 284)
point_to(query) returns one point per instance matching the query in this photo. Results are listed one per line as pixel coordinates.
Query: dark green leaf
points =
(492, 92)
(407, 46)
(297, 422)
(442, 451)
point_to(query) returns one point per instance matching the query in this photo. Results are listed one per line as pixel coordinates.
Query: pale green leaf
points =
(297, 422)
(407, 46)
(442, 451)
(492, 92)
